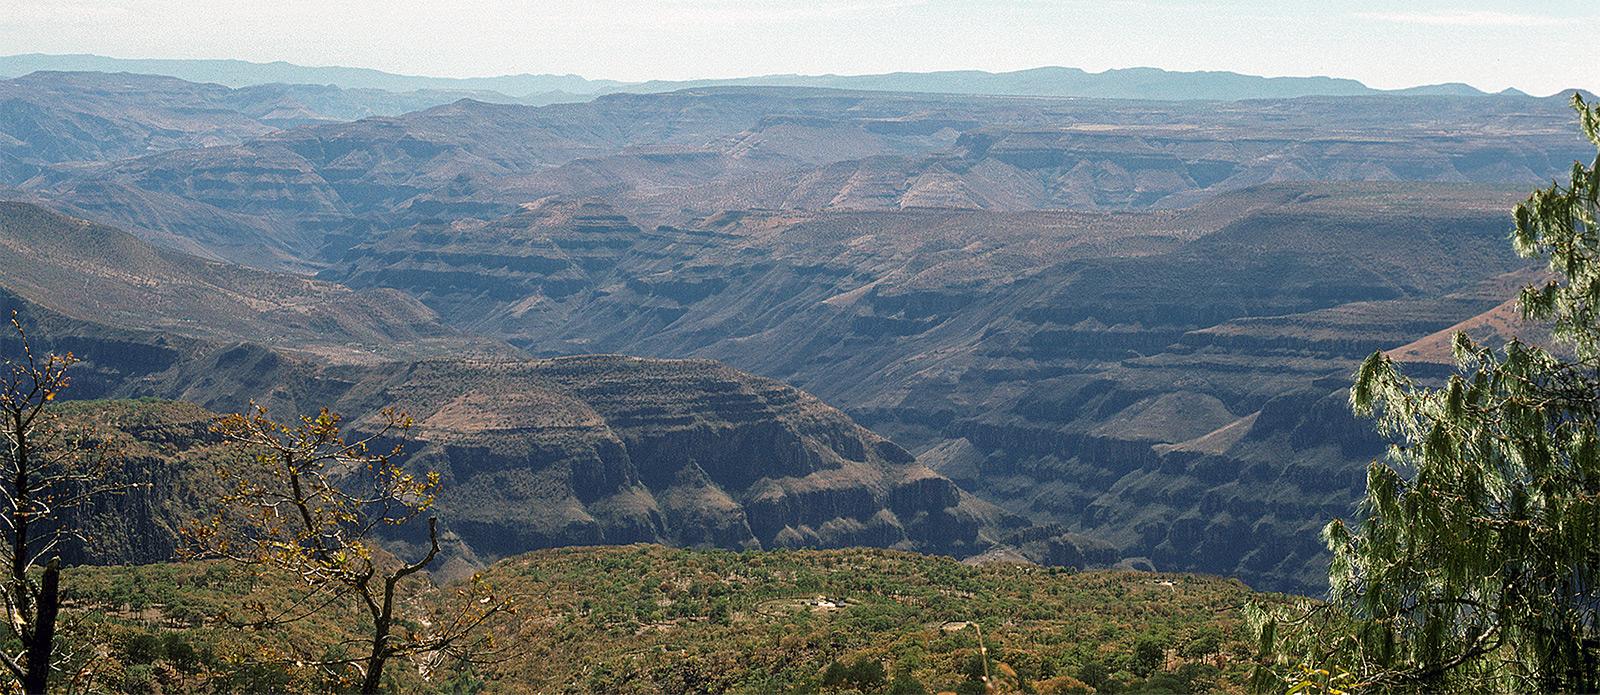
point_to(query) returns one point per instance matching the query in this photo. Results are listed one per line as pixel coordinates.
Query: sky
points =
(1538, 46)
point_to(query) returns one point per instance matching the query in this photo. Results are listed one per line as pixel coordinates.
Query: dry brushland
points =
(654, 619)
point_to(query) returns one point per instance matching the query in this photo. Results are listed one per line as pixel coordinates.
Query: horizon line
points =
(585, 78)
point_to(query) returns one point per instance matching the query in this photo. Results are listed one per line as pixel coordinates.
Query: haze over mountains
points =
(1089, 330)
(1126, 83)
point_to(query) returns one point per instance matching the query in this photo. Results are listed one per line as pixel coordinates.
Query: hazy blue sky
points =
(1537, 46)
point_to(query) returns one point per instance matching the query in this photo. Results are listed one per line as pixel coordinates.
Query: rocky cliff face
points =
(621, 450)
(579, 451)
(164, 443)
(546, 252)
(1104, 372)
(534, 453)
(1118, 319)
(1107, 372)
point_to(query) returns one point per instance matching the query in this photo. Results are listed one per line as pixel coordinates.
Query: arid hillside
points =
(534, 453)
(1154, 378)
(301, 196)
(651, 619)
(1120, 328)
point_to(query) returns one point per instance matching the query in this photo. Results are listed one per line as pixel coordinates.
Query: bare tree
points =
(305, 501)
(48, 470)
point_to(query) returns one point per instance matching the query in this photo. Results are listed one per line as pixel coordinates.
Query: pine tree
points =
(1474, 561)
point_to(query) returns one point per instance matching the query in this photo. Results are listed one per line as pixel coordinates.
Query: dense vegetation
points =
(654, 619)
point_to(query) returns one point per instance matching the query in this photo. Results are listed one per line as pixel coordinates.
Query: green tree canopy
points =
(1474, 560)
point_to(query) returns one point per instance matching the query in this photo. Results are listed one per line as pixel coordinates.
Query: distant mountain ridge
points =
(1124, 83)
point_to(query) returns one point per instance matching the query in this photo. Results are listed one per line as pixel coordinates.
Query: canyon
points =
(1090, 330)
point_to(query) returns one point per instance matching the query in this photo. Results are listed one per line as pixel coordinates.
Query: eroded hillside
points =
(1127, 324)
(301, 196)
(535, 453)
(1167, 380)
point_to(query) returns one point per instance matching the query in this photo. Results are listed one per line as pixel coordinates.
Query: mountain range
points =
(1125, 83)
(1080, 331)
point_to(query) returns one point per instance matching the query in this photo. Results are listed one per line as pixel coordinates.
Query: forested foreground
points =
(655, 619)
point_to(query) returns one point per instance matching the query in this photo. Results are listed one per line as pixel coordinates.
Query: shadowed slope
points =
(536, 453)
(1153, 378)
(96, 273)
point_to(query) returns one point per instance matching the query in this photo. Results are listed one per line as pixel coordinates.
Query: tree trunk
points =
(373, 683)
(37, 667)
(26, 621)
(19, 522)
(375, 663)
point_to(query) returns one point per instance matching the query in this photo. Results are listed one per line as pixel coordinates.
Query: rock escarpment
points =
(611, 449)
(534, 453)
(579, 451)
(1112, 373)
(1109, 317)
